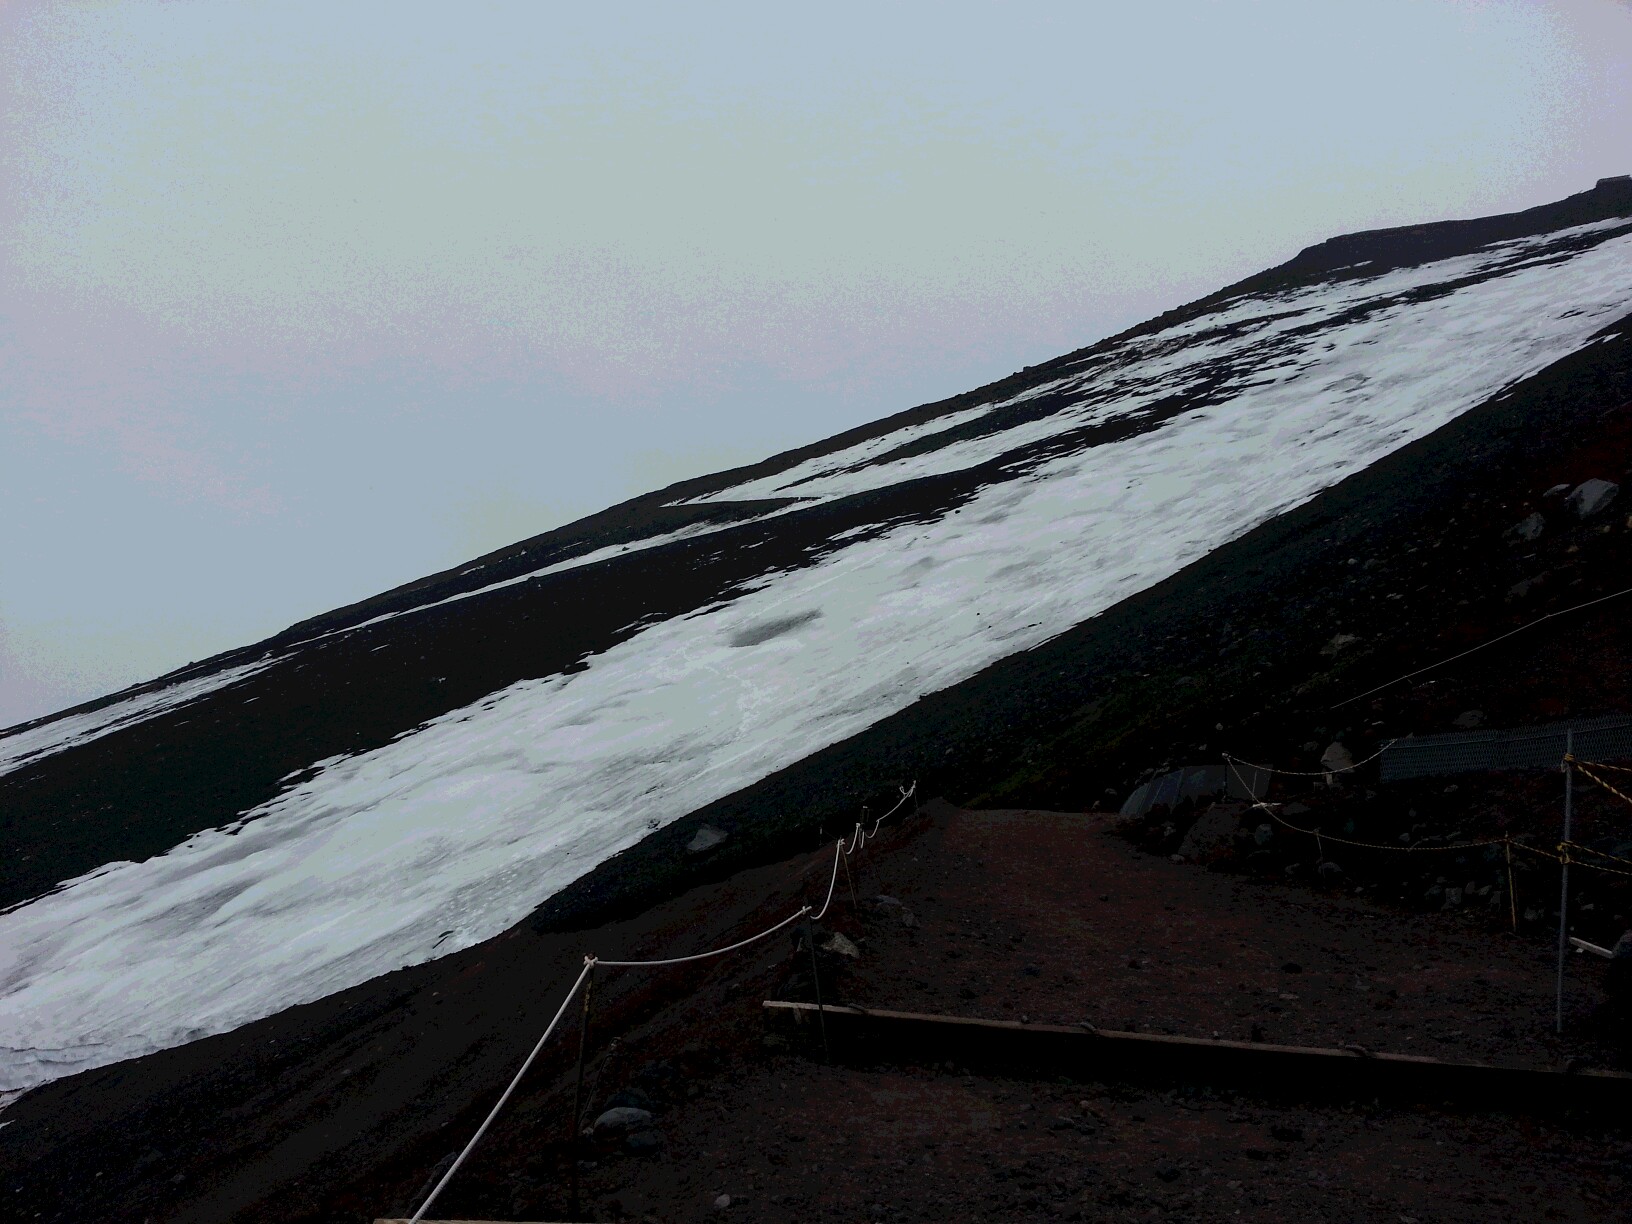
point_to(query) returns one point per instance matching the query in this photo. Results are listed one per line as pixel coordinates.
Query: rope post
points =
(816, 981)
(1512, 891)
(575, 1139)
(855, 906)
(1564, 876)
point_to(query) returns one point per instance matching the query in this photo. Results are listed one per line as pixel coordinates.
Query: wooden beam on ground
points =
(1083, 1052)
(1582, 944)
(404, 1220)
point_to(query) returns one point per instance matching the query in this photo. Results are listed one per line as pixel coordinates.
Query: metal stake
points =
(855, 906)
(816, 981)
(1564, 874)
(1512, 891)
(575, 1140)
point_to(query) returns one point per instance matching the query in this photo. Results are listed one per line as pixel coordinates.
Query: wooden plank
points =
(1592, 947)
(1349, 1073)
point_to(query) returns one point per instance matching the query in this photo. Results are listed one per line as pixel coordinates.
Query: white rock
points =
(839, 944)
(623, 1118)
(707, 838)
(1591, 496)
(1336, 757)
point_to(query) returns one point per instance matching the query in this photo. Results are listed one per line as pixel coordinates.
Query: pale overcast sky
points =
(301, 301)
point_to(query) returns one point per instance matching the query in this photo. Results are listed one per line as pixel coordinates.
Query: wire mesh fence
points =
(1424, 756)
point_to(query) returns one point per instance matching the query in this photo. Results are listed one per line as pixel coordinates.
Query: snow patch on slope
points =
(26, 747)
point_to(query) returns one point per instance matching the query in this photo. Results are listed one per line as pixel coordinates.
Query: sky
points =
(302, 301)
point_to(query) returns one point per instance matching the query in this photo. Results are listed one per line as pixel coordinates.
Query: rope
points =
(1587, 769)
(1605, 765)
(831, 884)
(1345, 841)
(589, 964)
(1316, 773)
(1563, 854)
(682, 960)
(1464, 654)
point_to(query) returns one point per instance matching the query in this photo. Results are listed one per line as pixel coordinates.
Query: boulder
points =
(623, 1120)
(1214, 829)
(630, 1098)
(1557, 490)
(1528, 528)
(1469, 719)
(644, 1143)
(841, 946)
(1591, 497)
(1336, 758)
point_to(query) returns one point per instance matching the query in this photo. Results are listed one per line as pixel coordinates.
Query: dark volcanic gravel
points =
(1050, 917)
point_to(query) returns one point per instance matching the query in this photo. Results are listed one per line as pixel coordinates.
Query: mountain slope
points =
(415, 774)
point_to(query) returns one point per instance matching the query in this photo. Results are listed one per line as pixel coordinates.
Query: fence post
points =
(1564, 876)
(816, 981)
(855, 906)
(575, 1141)
(1512, 892)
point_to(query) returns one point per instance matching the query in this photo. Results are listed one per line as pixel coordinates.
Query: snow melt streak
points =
(467, 824)
(26, 747)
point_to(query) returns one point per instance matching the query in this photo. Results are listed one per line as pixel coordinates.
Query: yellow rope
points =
(1603, 765)
(1587, 768)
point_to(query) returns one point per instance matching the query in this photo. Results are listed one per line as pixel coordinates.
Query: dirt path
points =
(1049, 916)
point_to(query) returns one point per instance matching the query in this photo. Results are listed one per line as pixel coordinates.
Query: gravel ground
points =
(1051, 917)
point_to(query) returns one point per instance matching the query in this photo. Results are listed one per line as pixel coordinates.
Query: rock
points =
(721, 1203)
(1336, 757)
(1167, 1172)
(644, 1143)
(1339, 642)
(630, 1098)
(885, 902)
(1528, 528)
(1329, 872)
(1212, 830)
(622, 1120)
(1453, 898)
(838, 944)
(706, 839)
(1557, 490)
(1262, 834)
(1590, 497)
(1469, 719)
(909, 920)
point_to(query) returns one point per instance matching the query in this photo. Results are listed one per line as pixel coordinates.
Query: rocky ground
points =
(1054, 917)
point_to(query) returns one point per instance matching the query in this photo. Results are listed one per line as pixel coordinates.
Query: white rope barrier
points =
(1470, 650)
(832, 883)
(589, 964)
(592, 962)
(682, 960)
(1306, 773)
